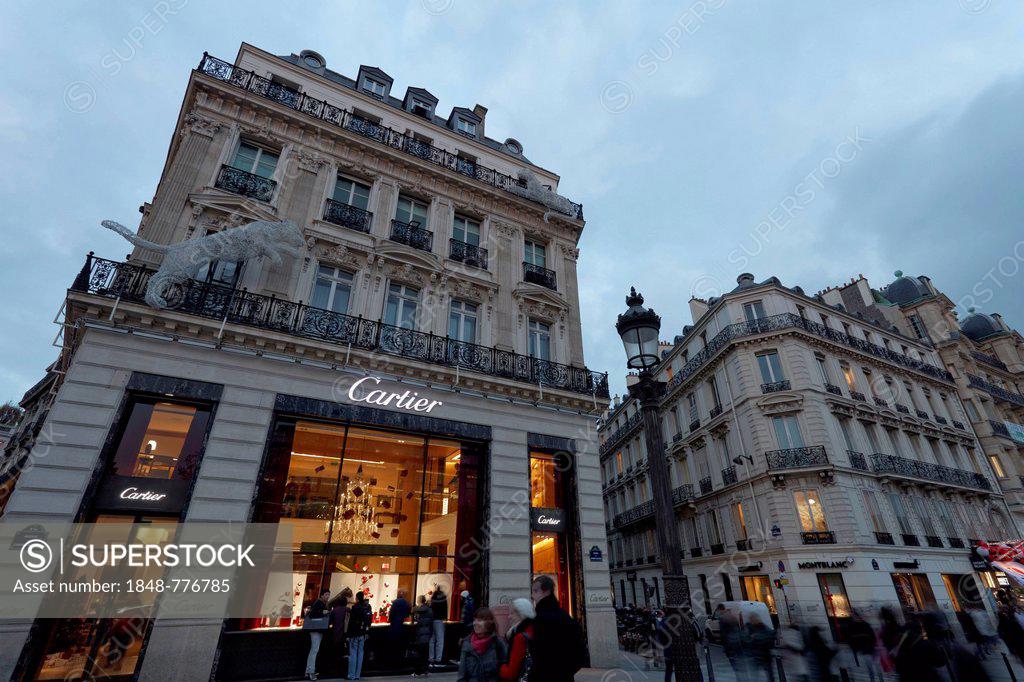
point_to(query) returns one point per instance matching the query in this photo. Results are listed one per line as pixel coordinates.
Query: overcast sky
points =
(808, 140)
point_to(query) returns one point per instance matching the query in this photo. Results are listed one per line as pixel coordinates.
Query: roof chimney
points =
(481, 111)
(745, 278)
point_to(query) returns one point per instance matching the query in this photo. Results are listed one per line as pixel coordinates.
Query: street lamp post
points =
(638, 328)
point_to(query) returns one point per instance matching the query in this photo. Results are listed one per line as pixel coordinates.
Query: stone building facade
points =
(438, 262)
(822, 460)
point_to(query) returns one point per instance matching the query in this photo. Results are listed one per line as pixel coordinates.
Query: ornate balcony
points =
(959, 425)
(941, 420)
(857, 460)
(818, 537)
(538, 275)
(469, 254)
(884, 538)
(705, 485)
(995, 391)
(127, 282)
(833, 389)
(717, 548)
(728, 475)
(634, 515)
(857, 395)
(247, 184)
(880, 403)
(910, 540)
(786, 321)
(775, 386)
(902, 409)
(682, 494)
(989, 360)
(933, 540)
(348, 216)
(694, 425)
(745, 545)
(921, 414)
(955, 543)
(411, 234)
(620, 434)
(335, 116)
(715, 411)
(999, 429)
(926, 471)
(696, 552)
(796, 458)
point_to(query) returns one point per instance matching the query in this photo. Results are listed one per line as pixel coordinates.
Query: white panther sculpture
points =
(184, 260)
(535, 191)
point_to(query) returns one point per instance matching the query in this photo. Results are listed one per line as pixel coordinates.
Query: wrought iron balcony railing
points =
(880, 402)
(796, 458)
(775, 386)
(857, 395)
(912, 468)
(728, 475)
(411, 234)
(818, 537)
(941, 420)
(336, 116)
(539, 275)
(621, 433)
(715, 411)
(127, 282)
(857, 460)
(921, 414)
(783, 322)
(236, 181)
(955, 543)
(910, 540)
(696, 552)
(348, 216)
(884, 538)
(975, 381)
(902, 409)
(705, 485)
(694, 425)
(470, 254)
(999, 429)
(717, 548)
(933, 540)
(833, 389)
(682, 494)
(959, 425)
(989, 360)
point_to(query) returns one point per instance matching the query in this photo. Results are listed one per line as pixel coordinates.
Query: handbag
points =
(316, 623)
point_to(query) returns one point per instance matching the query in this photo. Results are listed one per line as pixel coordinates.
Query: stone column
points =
(183, 177)
(506, 242)
(570, 287)
(384, 209)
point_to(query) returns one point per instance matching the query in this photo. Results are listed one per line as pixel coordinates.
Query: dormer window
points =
(374, 87)
(421, 108)
(465, 127)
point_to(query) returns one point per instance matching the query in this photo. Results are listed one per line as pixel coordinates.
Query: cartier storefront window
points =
(144, 486)
(370, 510)
(550, 475)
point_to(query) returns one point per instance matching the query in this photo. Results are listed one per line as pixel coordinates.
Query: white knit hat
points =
(524, 607)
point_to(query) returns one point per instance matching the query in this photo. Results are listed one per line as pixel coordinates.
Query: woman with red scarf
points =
(520, 637)
(483, 652)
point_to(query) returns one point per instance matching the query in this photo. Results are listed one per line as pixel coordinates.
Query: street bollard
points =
(711, 669)
(1009, 669)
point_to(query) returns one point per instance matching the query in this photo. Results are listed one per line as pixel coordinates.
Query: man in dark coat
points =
(439, 609)
(399, 612)
(558, 650)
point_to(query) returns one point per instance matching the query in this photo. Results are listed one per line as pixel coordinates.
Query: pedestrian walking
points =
(423, 619)
(760, 641)
(791, 648)
(864, 643)
(731, 635)
(482, 652)
(359, 618)
(316, 621)
(468, 611)
(520, 640)
(920, 658)
(820, 653)
(439, 606)
(558, 649)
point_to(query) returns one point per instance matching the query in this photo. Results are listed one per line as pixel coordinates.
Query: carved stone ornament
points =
(506, 229)
(309, 161)
(570, 252)
(184, 260)
(194, 123)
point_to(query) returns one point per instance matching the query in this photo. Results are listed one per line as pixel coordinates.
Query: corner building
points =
(439, 267)
(822, 461)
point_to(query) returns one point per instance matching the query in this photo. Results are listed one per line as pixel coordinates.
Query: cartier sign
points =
(547, 520)
(138, 494)
(362, 391)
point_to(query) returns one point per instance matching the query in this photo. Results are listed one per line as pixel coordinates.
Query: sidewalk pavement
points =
(634, 668)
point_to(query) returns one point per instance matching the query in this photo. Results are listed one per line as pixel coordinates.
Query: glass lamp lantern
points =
(638, 328)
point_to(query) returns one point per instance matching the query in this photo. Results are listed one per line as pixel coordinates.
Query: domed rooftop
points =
(904, 289)
(977, 326)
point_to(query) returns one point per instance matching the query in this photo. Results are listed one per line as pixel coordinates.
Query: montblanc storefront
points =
(387, 484)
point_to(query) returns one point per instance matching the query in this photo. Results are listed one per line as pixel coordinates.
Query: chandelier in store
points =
(355, 518)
